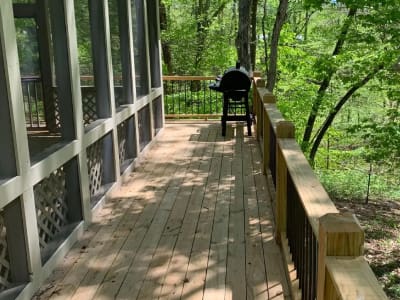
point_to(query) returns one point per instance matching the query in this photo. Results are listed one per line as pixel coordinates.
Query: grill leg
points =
(224, 115)
(223, 121)
(248, 117)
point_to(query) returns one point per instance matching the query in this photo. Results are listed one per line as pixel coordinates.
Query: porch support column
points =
(101, 53)
(46, 64)
(104, 83)
(284, 130)
(68, 87)
(125, 32)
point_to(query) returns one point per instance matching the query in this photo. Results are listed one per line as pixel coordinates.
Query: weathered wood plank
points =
(144, 236)
(117, 272)
(137, 230)
(74, 278)
(139, 266)
(277, 288)
(196, 273)
(193, 221)
(216, 269)
(257, 287)
(175, 280)
(315, 199)
(236, 264)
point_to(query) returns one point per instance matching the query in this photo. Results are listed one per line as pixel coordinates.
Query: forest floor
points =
(381, 221)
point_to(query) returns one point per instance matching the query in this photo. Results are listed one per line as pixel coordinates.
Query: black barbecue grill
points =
(235, 86)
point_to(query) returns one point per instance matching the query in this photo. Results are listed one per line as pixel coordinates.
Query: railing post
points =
(257, 74)
(257, 105)
(339, 235)
(284, 130)
(268, 98)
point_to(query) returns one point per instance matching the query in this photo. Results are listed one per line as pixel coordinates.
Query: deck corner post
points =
(259, 82)
(257, 74)
(268, 97)
(284, 130)
(340, 234)
(266, 128)
(256, 110)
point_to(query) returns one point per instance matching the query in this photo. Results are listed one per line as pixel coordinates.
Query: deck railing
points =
(323, 249)
(33, 101)
(190, 97)
(37, 115)
(184, 97)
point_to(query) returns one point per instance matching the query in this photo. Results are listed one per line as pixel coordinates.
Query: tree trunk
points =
(306, 22)
(204, 18)
(327, 80)
(243, 37)
(166, 49)
(273, 54)
(253, 44)
(265, 38)
(328, 121)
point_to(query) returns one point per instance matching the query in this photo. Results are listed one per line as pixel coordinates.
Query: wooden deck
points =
(194, 221)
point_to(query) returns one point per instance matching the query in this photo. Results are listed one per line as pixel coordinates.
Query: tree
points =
(253, 43)
(363, 48)
(273, 55)
(338, 106)
(243, 37)
(205, 15)
(193, 34)
(327, 78)
(355, 31)
(166, 49)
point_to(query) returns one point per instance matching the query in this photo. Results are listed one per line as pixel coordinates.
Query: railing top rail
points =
(315, 199)
(269, 103)
(167, 78)
(30, 77)
(182, 78)
(353, 278)
(336, 234)
(274, 115)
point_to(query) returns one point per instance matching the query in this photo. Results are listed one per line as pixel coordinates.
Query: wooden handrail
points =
(349, 278)
(340, 237)
(167, 77)
(315, 199)
(183, 78)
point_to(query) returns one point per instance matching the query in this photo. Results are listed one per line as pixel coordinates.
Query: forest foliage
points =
(337, 76)
(334, 66)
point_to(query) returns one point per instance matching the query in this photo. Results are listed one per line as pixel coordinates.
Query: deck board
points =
(193, 221)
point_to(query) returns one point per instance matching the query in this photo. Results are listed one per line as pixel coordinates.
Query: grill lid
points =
(234, 79)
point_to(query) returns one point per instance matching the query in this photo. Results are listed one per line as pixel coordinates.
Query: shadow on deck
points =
(193, 221)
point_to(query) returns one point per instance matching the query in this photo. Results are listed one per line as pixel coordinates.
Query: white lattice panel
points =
(95, 167)
(157, 113)
(118, 94)
(51, 207)
(144, 126)
(4, 260)
(56, 112)
(53, 110)
(122, 142)
(89, 105)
